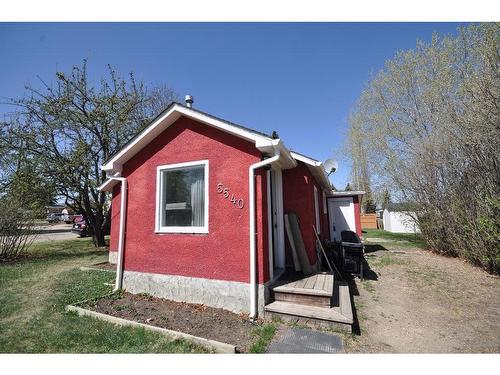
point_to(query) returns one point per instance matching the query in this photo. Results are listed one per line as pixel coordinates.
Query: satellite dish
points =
(330, 166)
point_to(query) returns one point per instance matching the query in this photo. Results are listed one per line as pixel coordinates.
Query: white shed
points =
(398, 219)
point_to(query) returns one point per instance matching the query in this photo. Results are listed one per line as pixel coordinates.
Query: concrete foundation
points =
(113, 257)
(229, 295)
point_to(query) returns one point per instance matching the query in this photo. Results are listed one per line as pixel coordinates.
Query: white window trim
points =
(158, 227)
(325, 208)
(316, 210)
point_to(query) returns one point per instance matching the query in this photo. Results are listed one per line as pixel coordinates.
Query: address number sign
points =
(221, 189)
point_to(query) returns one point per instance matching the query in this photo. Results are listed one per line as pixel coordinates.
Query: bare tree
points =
(430, 125)
(360, 170)
(71, 128)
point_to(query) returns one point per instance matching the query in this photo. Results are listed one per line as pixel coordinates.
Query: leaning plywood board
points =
(296, 263)
(299, 244)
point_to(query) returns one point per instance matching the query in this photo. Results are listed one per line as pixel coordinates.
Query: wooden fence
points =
(369, 221)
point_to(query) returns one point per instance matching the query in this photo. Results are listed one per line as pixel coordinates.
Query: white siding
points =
(399, 222)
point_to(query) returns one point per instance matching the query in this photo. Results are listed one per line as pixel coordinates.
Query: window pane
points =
(183, 197)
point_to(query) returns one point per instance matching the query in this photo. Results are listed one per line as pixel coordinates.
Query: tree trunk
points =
(97, 225)
(98, 237)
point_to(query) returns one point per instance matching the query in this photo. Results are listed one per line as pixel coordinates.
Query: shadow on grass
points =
(56, 250)
(371, 248)
(66, 255)
(55, 257)
(353, 289)
(49, 231)
(368, 274)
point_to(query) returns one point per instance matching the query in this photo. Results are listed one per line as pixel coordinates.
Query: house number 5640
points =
(221, 189)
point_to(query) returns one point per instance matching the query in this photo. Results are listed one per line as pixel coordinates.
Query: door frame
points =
(331, 214)
(274, 183)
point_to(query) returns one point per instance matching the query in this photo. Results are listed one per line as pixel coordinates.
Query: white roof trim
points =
(317, 169)
(167, 119)
(264, 144)
(107, 185)
(347, 193)
(305, 159)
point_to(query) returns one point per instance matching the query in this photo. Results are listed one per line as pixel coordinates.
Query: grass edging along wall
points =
(216, 346)
(95, 269)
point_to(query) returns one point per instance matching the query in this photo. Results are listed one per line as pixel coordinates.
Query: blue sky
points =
(301, 79)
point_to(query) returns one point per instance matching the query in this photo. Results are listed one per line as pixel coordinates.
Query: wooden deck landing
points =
(320, 284)
(315, 298)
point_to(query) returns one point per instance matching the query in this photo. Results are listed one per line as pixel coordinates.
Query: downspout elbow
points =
(253, 251)
(121, 237)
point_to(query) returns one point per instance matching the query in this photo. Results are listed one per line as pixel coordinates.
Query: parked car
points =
(77, 218)
(68, 218)
(54, 218)
(80, 226)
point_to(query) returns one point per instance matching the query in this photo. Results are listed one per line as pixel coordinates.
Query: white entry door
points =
(341, 214)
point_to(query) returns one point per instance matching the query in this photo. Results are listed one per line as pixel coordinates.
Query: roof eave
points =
(346, 193)
(316, 168)
(169, 116)
(107, 185)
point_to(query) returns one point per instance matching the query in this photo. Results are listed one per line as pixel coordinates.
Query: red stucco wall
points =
(221, 254)
(357, 215)
(298, 197)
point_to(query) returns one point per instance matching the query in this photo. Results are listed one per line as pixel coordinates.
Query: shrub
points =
(16, 229)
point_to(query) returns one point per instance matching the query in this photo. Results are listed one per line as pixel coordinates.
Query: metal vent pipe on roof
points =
(189, 100)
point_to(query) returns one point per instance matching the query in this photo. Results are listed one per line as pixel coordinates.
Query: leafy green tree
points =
(70, 128)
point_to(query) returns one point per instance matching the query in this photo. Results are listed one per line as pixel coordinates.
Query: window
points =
(316, 210)
(182, 198)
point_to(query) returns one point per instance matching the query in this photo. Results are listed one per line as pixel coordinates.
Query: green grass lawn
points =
(264, 335)
(394, 239)
(35, 291)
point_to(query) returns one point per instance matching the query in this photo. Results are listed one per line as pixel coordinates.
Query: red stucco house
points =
(198, 206)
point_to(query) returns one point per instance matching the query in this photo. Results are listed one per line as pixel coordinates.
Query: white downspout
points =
(121, 238)
(253, 253)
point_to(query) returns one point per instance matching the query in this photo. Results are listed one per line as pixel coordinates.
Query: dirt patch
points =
(19, 259)
(197, 320)
(419, 302)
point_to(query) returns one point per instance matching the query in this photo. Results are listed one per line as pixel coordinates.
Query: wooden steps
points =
(316, 299)
(315, 290)
(311, 312)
